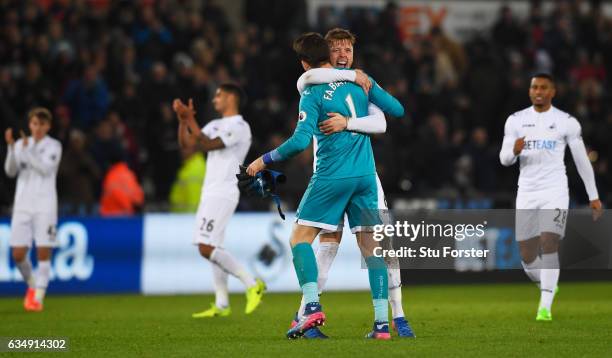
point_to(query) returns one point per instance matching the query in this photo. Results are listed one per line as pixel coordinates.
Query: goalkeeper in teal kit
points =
(344, 180)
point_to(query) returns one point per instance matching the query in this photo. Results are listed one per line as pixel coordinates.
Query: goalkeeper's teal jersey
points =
(344, 154)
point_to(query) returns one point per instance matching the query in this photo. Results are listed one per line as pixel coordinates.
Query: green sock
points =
(305, 265)
(379, 286)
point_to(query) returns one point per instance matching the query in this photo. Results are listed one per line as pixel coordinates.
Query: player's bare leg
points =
(23, 263)
(224, 261)
(305, 265)
(379, 285)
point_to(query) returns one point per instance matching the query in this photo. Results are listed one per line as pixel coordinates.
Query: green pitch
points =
(462, 320)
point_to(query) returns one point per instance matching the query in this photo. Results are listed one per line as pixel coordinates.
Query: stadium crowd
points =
(108, 70)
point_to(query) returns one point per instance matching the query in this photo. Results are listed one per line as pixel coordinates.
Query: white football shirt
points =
(546, 135)
(222, 164)
(36, 169)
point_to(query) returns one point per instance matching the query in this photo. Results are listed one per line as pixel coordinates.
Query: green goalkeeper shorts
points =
(326, 200)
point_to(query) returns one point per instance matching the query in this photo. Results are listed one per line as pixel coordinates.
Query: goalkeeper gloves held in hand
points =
(263, 184)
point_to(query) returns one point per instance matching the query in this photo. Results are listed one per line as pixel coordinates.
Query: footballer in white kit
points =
(34, 161)
(537, 137)
(227, 141)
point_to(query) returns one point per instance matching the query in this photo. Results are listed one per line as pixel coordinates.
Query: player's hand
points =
(184, 112)
(24, 138)
(362, 79)
(519, 144)
(597, 209)
(255, 167)
(8, 137)
(181, 109)
(334, 124)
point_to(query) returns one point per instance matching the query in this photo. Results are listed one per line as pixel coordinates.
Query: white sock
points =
(300, 311)
(220, 281)
(394, 274)
(25, 267)
(533, 270)
(42, 279)
(395, 288)
(395, 300)
(325, 256)
(549, 278)
(229, 264)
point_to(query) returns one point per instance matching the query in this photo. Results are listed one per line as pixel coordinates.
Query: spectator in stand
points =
(78, 177)
(62, 53)
(507, 32)
(186, 190)
(121, 192)
(164, 148)
(104, 143)
(483, 158)
(34, 89)
(87, 98)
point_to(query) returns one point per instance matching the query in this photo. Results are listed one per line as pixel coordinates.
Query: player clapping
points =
(227, 141)
(34, 160)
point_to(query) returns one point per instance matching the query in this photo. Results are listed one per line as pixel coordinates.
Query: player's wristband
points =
(271, 157)
(267, 158)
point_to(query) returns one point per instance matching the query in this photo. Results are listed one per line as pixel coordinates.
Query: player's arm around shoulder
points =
(316, 76)
(385, 101)
(374, 123)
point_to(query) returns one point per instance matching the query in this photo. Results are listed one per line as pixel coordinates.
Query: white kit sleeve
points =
(373, 123)
(317, 76)
(506, 154)
(581, 159)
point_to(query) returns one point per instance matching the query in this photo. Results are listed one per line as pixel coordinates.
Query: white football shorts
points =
(542, 211)
(212, 217)
(38, 227)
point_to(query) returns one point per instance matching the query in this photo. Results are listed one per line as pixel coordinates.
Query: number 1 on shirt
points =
(351, 105)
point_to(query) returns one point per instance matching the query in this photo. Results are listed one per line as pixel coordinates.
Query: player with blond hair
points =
(34, 160)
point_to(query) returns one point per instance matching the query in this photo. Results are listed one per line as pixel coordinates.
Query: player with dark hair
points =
(226, 141)
(537, 137)
(341, 43)
(34, 160)
(343, 180)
